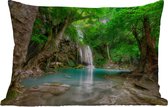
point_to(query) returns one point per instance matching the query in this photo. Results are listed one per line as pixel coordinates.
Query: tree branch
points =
(82, 18)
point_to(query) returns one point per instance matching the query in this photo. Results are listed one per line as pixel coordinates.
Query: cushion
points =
(85, 56)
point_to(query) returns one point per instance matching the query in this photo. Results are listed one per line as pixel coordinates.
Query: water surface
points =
(86, 84)
(73, 76)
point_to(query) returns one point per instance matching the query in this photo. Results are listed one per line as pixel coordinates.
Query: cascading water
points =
(86, 55)
(84, 51)
(86, 58)
(81, 55)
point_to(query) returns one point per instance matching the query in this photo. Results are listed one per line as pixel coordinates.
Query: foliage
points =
(117, 32)
(99, 59)
(102, 29)
(125, 53)
(37, 35)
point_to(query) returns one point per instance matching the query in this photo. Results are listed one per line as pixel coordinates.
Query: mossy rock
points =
(11, 95)
(71, 63)
(79, 66)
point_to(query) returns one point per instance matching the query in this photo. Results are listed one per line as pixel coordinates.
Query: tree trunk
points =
(146, 44)
(55, 36)
(108, 52)
(152, 59)
(23, 17)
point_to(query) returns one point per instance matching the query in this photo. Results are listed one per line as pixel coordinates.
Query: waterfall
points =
(86, 80)
(81, 55)
(84, 51)
(86, 55)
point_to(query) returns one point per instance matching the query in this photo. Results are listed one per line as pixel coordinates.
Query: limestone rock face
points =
(23, 17)
(66, 55)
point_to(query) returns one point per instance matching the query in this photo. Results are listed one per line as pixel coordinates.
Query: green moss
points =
(71, 63)
(12, 94)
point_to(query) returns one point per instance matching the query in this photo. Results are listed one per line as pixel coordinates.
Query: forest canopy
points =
(113, 33)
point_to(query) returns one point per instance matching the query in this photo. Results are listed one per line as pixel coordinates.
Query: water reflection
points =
(85, 84)
(86, 80)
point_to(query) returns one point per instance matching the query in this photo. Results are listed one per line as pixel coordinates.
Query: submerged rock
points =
(39, 95)
(53, 88)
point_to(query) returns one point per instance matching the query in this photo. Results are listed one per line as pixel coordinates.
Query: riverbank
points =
(122, 89)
